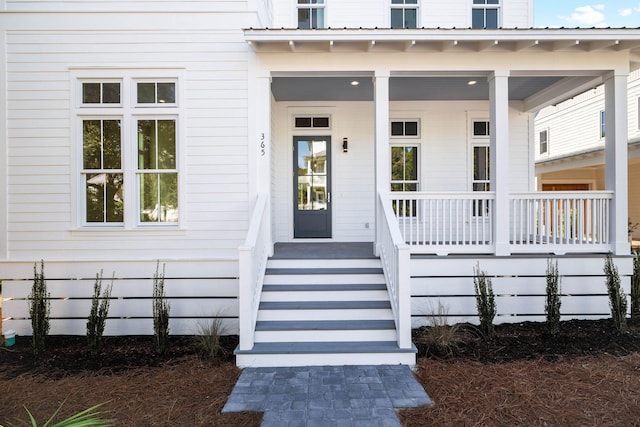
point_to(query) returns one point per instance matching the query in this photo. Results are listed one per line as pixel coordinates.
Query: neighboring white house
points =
(200, 133)
(570, 145)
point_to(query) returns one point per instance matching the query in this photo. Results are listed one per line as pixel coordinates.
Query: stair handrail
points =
(252, 257)
(395, 255)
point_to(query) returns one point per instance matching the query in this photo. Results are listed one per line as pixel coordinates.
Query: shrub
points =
(485, 302)
(552, 301)
(88, 418)
(208, 337)
(617, 298)
(39, 310)
(635, 287)
(441, 337)
(98, 315)
(160, 313)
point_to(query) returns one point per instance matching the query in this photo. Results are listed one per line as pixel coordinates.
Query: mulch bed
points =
(587, 375)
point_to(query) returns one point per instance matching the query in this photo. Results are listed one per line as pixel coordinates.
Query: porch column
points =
(382, 155)
(259, 144)
(499, 157)
(616, 146)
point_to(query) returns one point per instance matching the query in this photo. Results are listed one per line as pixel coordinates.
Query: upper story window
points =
(485, 14)
(544, 141)
(404, 13)
(129, 168)
(311, 14)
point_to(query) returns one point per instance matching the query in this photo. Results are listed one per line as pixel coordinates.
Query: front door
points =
(311, 186)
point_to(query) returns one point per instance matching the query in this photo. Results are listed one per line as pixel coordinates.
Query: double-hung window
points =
(404, 13)
(544, 141)
(485, 14)
(129, 152)
(310, 13)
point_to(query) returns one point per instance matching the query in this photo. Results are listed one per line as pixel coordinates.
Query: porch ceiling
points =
(403, 88)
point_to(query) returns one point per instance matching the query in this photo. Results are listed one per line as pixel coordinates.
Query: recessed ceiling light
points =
(355, 83)
(471, 82)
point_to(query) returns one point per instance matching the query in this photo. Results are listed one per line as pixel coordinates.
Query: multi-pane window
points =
(485, 14)
(544, 141)
(117, 125)
(404, 128)
(404, 168)
(404, 13)
(311, 122)
(481, 169)
(102, 171)
(602, 124)
(310, 13)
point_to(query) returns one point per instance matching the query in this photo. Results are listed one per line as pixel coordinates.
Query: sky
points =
(585, 13)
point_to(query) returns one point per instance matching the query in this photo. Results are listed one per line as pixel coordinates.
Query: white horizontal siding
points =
(218, 6)
(518, 284)
(41, 202)
(196, 291)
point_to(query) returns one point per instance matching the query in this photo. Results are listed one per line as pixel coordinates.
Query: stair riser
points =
(321, 279)
(324, 359)
(324, 263)
(324, 336)
(352, 314)
(326, 296)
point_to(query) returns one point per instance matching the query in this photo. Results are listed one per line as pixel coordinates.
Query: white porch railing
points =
(549, 222)
(395, 255)
(253, 257)
(560, 222)
(445, 223)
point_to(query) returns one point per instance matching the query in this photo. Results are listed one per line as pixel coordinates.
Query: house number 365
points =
(262, 146)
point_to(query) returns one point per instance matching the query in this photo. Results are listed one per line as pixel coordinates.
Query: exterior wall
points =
(445, 157)
(518, 284)
(432, 13)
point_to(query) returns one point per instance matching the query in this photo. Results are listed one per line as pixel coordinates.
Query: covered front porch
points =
(426, 150)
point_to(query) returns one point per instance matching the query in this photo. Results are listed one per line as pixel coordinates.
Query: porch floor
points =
(324, 250)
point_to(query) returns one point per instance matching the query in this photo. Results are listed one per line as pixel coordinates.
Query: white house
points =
(201, 133)
(570, 145)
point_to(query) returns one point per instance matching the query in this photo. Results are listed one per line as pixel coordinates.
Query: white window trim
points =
(405, 120)
(405, 6)
(322, 6)
(472, 136)
(418, 146)
(546, 151)
(486, 6)
(128, 113)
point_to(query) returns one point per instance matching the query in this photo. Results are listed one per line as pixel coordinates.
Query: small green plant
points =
(617, 298)
(635, 287)
(90, 417)
(160, 313)
(442, 338)
(208, 337)
(485, 302)
(98, 315)
(39, 310)
(552, 301)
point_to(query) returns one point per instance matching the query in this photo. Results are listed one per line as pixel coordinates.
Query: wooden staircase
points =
(325, 311)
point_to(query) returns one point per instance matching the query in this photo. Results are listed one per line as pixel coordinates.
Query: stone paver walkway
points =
(327, 395)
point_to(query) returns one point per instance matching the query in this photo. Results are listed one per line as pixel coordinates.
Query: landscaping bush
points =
(552, 300)
(208, 337)
(88, 418)
(617, 298)
(442, 338)
(39, 310)
(98, 315)
(160, 313)
(635, 287)
(485, 302)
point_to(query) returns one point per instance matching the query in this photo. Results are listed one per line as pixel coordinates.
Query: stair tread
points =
(323, 325)
(326, 287)
(326, 347)
(329, 270)
(322, 305)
